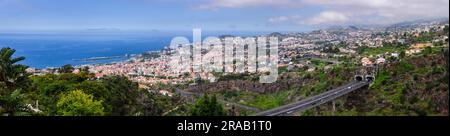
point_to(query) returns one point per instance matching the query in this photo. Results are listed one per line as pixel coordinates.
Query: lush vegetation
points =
(268, 101)
(367, 51)
(207, 106)
(13, 80)
(70, 94)
(77, 103)
(415, 85)
(313, 83)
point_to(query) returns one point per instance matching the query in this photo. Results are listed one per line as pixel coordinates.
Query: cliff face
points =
(252, 86)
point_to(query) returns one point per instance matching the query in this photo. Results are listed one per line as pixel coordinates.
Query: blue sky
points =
(213, 15)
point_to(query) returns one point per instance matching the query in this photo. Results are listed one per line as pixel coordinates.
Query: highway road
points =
(305, 104)
(314, 100)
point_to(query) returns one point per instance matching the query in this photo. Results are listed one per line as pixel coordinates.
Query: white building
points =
(380, 61)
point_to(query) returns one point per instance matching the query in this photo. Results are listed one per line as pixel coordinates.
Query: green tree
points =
(402, 54)
(12, 104)
(12, 75)
(446, 57)
(48, 89)
(99, 91)
(362, 49)
(207, 106)
(66, 69)
(446, 62)
(446, 29)
(427, 51)
(77, 103)
(121, 95)
(84, 69)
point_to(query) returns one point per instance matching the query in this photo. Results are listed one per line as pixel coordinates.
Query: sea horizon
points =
(45, 49)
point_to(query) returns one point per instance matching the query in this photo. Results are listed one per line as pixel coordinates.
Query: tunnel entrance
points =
(370, 78)
(358, 78)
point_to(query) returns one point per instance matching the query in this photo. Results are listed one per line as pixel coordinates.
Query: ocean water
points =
(54, 50)
(57, 49)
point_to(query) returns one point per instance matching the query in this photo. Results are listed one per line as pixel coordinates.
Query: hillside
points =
(417, 85)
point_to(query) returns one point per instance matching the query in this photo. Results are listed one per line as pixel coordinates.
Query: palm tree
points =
(13, 104)
(11, 75)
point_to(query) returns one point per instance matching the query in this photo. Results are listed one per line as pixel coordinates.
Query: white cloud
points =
(359, 3)
(350, 11)
(278, 19)
(385, 11)
(282, 19)
(217, 4)
(327, 17)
